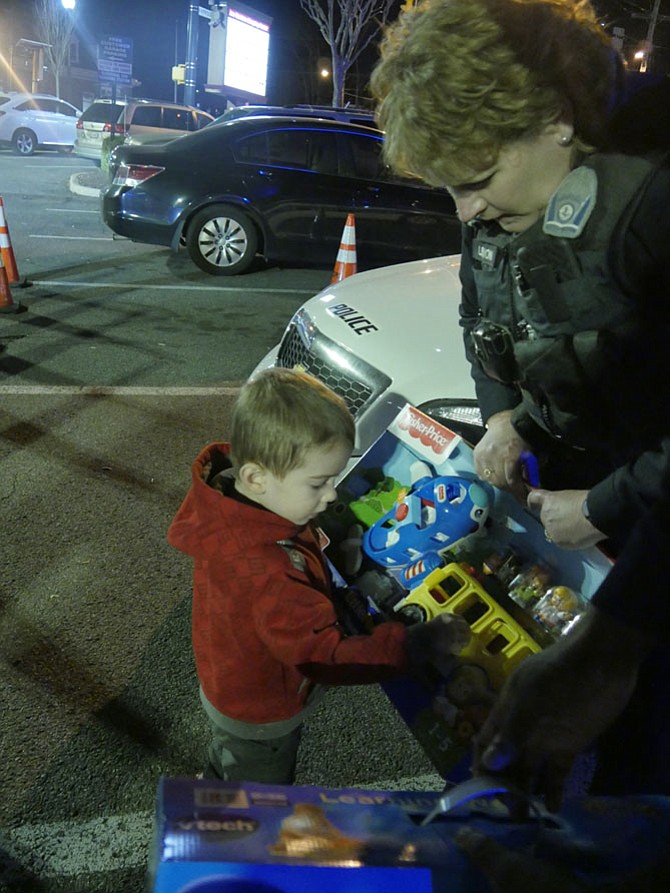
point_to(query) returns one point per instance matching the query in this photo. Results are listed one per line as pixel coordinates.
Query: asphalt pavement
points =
(98, 690)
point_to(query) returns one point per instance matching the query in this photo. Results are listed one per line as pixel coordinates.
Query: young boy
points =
(265, 631)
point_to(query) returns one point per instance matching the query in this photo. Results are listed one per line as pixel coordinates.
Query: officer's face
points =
(516, 190)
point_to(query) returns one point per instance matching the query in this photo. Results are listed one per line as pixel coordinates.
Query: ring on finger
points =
(488, 472)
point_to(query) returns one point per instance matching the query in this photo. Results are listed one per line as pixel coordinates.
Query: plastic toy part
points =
(374, 504)
(498, 643)
(528, 587)
(431, 518)
(559, 609)
(417, 572)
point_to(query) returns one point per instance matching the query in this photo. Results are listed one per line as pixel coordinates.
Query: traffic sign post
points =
(115, 61)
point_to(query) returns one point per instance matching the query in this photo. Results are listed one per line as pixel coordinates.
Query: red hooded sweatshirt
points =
(264, 626)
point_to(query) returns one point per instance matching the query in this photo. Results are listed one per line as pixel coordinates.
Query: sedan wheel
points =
(25, 142)
(222, 240)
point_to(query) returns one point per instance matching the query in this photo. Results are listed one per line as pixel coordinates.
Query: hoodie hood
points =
(209, 509)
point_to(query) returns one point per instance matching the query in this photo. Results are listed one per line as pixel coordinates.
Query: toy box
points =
(219, 837)
(414, 532)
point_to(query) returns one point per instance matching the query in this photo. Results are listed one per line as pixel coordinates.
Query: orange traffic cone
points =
(8, 259)
(7, 305)
(346, 263)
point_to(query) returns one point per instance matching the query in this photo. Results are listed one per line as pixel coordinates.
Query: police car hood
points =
(403, 320)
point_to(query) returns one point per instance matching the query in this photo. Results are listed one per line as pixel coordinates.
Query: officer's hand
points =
(563, 519)
(510, 872)
(496, 456)
(557, 702)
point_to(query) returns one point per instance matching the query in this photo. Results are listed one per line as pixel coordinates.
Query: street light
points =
(68, 4)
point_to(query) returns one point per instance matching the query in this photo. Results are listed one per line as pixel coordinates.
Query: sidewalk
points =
(89, 182)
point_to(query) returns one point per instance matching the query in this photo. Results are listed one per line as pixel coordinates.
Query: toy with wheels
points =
(434, 515)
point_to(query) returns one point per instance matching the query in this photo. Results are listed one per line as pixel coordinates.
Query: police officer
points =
(565, 266)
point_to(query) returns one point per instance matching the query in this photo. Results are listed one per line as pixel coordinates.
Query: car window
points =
(32, 105)
(274, 147)
(300, 149)
(366, 156)
(201, 120)
(102, 113)
(323, 152)
(147, 116)
(177, 119)
(63, 108)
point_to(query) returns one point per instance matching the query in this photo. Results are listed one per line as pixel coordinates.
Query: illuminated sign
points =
(246, 54)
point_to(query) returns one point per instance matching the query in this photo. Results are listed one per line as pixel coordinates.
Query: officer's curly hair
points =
(459, 79)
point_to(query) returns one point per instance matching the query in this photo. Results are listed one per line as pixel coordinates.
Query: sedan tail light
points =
(134, 174)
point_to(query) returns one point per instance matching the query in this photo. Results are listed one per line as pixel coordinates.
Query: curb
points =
(79, 189)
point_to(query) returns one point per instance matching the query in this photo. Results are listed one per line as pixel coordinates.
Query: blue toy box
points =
(218, 837)
(415, 532)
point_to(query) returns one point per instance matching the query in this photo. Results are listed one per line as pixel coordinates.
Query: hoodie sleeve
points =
(297, 623)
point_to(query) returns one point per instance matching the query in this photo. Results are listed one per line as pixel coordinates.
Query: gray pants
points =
(270, 761)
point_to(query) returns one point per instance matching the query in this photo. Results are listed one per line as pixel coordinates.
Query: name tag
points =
(486, 253)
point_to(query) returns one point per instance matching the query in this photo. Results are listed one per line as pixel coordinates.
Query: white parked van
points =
(384, 338)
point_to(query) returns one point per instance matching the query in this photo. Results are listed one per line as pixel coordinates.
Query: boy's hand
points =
(437, 641)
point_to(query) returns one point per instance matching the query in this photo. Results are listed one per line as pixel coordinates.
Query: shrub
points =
(108, 143)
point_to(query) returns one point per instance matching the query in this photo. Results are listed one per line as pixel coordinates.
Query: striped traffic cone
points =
(346, 263)
(6, 250)
(7, 304)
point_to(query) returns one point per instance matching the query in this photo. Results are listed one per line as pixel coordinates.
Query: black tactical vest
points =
(581, 335)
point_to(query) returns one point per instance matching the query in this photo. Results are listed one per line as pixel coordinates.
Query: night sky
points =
(155, 27)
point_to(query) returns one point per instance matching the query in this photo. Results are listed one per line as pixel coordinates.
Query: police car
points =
(384, 338)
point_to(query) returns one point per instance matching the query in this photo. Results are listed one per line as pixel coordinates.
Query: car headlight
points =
(460, 415)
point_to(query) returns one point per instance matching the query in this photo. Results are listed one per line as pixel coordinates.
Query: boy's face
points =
(306, 491)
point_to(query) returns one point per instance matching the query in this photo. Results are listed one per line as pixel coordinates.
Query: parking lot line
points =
(73, 238)
(181, 287)
(227, 389)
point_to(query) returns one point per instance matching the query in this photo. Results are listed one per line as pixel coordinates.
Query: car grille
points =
(304, 347)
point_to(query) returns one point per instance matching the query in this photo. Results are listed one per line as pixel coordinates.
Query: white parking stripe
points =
(228, 389)
(74, 238)
(184, 287)
(71, 211)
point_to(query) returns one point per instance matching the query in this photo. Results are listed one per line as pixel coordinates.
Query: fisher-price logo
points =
(440, 440)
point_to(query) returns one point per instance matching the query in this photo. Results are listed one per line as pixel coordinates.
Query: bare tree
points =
(55, 27)
(348, 27)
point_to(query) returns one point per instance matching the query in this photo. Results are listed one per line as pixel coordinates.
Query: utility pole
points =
(191, 53)
(654, 19)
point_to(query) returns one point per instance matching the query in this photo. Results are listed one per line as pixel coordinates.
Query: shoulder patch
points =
(571, 205)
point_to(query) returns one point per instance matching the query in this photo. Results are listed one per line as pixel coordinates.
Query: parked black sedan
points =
(276, 186)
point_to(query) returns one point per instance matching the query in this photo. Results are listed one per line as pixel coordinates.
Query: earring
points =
(566, 139)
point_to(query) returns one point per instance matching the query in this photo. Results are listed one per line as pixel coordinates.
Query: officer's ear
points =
(253, 478)
(563, 128)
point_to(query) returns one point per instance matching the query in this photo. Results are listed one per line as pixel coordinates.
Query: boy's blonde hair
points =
(281, 414)
(460, 79)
